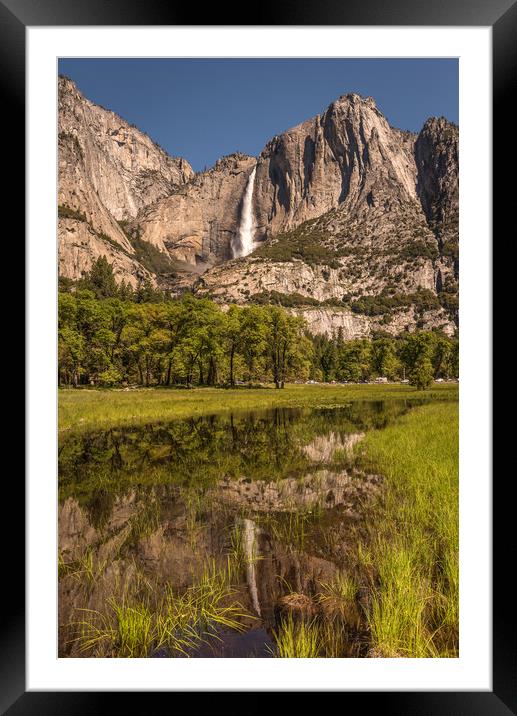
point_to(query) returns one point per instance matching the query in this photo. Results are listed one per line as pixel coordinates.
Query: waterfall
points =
(243, 245)
(250, 550)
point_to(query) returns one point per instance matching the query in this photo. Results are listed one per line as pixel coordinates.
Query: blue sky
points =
(203, 109)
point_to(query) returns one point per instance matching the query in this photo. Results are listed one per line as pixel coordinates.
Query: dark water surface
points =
(275, 494)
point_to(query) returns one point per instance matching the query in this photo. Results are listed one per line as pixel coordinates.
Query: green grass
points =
(411, 560)
(133, 626)
(127, 630)
(85, 568)
(80, 409)
(408, 564)
(298, 639)
(338, 598)
(310, 639)
(185, 620)
(135, 629)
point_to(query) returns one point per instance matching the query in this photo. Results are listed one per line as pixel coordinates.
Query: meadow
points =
(95, 408)
(411, 559)
(394, 592)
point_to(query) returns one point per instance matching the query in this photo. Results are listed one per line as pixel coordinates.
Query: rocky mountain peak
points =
(126, 168)
(340, 208)
(108, 171)
(436, 157)
(236, 160)
(355, 100)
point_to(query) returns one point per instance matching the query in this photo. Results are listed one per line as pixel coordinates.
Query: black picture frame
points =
(501, 15)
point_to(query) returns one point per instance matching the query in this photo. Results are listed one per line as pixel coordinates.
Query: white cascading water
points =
(244, 244)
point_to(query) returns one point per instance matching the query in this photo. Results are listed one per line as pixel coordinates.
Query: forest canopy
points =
(112, 335)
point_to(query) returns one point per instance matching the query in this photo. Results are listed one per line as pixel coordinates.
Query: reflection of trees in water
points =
(160, 502)
(198, 451)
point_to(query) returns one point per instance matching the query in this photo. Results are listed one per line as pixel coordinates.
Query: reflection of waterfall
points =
(250, 530)
(243, 244)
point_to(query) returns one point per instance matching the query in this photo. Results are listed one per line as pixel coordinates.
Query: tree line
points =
(111, 335)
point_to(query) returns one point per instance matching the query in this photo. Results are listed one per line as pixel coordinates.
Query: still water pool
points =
(217, 536)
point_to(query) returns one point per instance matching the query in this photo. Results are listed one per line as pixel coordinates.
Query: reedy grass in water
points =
(333, 633)
(310, 639)
(298, 639)
(79, 409)
(128, 630)
(292, 528)
(338, 598)
(324, 631)
(135, 627)
(187, 619)
(85, 568)
(411, 561)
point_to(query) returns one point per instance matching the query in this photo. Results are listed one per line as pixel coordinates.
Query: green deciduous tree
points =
(288, 347)
(383, 357)
(354, 362)
(421, 374)
(109, 335)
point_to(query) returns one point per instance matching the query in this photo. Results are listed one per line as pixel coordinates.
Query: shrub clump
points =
(386, 303)
(304, 243)
(66, 212)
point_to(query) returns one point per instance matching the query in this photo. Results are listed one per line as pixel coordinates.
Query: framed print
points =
(246, 435)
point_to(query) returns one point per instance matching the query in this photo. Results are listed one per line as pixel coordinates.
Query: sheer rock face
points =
(349, 155)
(328, 320)
(79, 247)
(349, 207)
(436, 156)
(344, 206)
(86, 229)
(126, 168)
(108, 170)
(199, 221)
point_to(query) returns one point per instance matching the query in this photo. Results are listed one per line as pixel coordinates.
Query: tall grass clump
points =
(126, 631)
(136, 626)
(338, 598)
(411, 562)
(298, 639)
(189, 618)
(135, 629)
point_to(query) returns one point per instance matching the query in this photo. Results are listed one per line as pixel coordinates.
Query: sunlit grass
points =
(86, 569)
(411, 561)
(127, 630)
(197, 613)
(408, 564)
(298, 639)
(338, 598)
(135, 626)
(135, 629)
(79, 409)
(333, 635)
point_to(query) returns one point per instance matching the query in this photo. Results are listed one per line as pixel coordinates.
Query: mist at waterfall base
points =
(244, 244)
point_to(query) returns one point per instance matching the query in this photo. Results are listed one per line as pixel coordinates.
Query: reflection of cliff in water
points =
(277, 492)
(167, 535)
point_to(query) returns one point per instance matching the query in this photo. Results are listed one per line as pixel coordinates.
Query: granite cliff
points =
(354, 222)
(108, 171)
